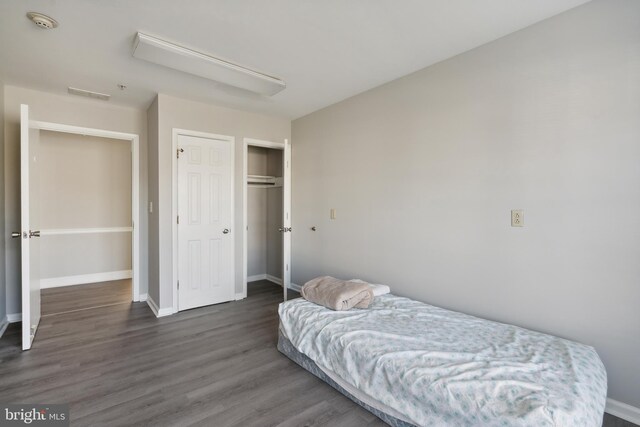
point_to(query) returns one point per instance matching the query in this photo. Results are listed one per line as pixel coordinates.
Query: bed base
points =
(285, 347)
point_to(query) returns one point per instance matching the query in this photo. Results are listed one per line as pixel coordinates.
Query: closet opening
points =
(79, 219)
(86, 227)
(267, 217)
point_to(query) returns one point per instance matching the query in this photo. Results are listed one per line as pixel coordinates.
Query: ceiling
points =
(325, 50)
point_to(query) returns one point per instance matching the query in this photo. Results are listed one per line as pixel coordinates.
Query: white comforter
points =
(442, 368)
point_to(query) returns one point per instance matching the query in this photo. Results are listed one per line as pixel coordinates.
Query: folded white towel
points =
(377, 289)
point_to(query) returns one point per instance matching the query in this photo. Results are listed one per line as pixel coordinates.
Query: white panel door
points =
(205, 218)
(286, 213)
(30, 226)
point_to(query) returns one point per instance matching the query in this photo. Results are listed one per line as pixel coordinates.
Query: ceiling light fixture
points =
(88, 93)
(180, 58)
(42, 21)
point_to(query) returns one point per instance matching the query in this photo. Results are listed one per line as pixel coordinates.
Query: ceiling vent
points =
(88, 93)
(42, 21)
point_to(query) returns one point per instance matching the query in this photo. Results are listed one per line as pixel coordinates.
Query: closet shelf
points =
(264, 181)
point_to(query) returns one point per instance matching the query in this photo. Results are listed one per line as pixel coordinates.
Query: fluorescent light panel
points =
(180, 58)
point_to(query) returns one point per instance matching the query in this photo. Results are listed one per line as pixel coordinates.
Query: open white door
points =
(30, 226)
(286, 213)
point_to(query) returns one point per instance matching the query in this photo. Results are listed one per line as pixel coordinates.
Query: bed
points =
(413, 364)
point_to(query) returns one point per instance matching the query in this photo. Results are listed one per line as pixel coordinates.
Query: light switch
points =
(517, 218)
(332, 213)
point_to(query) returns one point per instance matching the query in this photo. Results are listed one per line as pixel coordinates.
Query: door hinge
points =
(178, 219)
(178, 284)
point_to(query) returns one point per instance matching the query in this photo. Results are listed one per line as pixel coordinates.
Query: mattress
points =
(417, 364)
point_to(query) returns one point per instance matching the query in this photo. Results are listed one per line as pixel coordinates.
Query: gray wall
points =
(73, 111)
(3, 233)
(256, 214)
(85, 182)
(154, 269)
(424, 171)
(182, 114)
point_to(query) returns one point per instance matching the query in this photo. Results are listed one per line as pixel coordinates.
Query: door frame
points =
(134, 140)
(246, 143)
(175, 133)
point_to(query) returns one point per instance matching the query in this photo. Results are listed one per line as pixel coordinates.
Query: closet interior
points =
(264, 214)
(86, 229)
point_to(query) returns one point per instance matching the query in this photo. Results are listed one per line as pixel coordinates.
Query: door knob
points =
(34, 233)
(16, 234)
(226, 231)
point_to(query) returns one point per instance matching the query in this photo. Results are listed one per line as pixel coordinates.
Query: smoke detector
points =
(42, 21)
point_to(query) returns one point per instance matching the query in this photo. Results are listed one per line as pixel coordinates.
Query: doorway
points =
(33, 192)
(267, 213)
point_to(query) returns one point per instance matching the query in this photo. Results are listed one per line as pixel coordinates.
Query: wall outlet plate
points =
(517, 218)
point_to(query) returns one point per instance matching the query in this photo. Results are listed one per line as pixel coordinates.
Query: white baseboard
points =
(14, 317)
(239, 296)
(273, 279)
(295, 287)
(622, 410)
(256, 277)
(144, 297)
(159, 312)
(3, 325)
(83, 279)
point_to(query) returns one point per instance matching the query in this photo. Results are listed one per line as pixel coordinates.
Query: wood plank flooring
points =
(118, 365)
(71, 298)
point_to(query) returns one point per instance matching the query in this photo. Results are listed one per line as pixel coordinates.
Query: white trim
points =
(14, 317)
(263, 143)
(3, 325)
(84, 279)
(59, 231)
(79, 130)
(623, 410)
(274, 279)
(295, 287)
(239, 296)
(246, 142)
(144, 297)
(135, 184)
(175, 132)
(256, 277)
(159, 312)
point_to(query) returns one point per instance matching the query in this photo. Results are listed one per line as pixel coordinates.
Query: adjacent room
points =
(362, 213)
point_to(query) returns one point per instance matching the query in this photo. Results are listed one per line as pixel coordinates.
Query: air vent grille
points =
(88, 93)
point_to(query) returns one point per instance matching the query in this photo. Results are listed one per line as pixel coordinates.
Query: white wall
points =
(179, 113)
(424, 171)
(67, 110)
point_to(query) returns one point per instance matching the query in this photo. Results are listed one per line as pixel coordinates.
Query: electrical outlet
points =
(517, 218)
(332, 213)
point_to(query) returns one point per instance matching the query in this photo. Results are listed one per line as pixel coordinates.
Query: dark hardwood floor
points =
(116, 364)
(72, 298)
